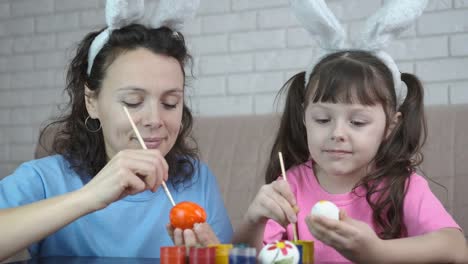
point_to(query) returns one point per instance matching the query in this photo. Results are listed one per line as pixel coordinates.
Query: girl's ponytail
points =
(413, 127)
(291, 138)
(399, 158)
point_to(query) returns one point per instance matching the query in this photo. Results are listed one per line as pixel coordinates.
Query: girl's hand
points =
(273, 201)
(201, 235)
(353, 239)
(128, 172)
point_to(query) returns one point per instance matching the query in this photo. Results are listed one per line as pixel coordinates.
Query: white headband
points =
(151, 13)
(386, 24)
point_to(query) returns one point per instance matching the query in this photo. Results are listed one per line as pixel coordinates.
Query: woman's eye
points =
(131, 104)
(169, 106)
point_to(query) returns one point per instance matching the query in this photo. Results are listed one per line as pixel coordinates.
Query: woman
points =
(100, 195)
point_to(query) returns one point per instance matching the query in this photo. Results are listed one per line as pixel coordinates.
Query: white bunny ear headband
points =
(151, 13)
(386, 24)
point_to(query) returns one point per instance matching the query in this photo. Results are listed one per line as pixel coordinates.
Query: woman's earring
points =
(91, 129)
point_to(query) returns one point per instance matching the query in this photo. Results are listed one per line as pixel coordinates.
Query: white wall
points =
(244, 51)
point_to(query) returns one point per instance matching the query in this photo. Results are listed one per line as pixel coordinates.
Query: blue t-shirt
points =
(132, 227)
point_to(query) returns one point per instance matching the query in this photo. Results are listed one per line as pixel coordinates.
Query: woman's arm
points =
(217, 229)
(447, 245)
(22, 226)
(127, 173)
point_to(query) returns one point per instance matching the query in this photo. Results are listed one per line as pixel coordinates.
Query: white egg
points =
(283, 251)
(327, 209)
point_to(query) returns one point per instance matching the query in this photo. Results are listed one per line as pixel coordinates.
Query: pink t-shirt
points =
(423, 212)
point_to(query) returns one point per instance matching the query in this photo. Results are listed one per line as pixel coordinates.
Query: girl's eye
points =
(322, 120)
(358, 123)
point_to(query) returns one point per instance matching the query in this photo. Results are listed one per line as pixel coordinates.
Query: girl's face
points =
(151, 86)
(344, 138)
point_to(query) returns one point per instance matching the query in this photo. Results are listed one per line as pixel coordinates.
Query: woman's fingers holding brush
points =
(128, 172)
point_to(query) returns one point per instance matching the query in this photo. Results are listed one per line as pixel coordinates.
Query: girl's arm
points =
(22, 226)
(273, 201)
(359, 243)
(447, 245)
(250, 233)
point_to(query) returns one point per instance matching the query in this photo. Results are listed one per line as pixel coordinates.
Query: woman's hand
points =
(273, 201)
(353, 239)
(128, 172)
(200, 235)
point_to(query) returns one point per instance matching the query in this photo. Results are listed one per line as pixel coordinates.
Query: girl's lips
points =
(337, 153)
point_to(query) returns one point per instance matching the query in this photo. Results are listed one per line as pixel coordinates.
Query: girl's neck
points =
(337, 184)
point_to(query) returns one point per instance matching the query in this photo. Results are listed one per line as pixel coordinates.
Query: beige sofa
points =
(236, 149)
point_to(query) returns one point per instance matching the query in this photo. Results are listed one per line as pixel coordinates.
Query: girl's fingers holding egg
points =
(346, 226)
(332, 225)
(315, 227)
(327, 223)
(315, 221)
(334, 240)
(320, 228)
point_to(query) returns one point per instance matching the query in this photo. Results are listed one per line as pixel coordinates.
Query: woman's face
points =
(151, 86)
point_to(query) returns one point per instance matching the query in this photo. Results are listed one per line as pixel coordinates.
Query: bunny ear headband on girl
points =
(151, 13)
(386, 24)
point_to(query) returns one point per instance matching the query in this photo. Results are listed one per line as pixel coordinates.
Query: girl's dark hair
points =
(84, 149)
(355, 76)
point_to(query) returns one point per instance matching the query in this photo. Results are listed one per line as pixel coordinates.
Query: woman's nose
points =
(152, 117)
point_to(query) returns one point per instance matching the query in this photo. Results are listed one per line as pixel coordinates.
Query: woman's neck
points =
(337, 184)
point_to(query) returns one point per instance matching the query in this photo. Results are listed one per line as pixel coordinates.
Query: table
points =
(89, 260)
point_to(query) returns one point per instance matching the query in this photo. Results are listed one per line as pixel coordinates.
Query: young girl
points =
(346, 139)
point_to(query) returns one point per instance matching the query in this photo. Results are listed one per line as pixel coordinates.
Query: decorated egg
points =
(185, 214)
(327, 209)
(280, 252)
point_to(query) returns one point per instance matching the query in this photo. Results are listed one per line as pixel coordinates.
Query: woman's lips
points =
(152, 143)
